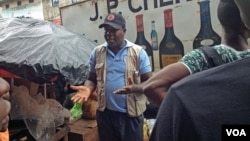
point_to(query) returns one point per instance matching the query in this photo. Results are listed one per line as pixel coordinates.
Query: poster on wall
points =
(167, 29)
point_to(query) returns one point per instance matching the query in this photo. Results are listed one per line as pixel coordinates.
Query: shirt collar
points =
(128, 43)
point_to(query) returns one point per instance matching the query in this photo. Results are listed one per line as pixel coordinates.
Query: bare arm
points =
(134, 88)
(146, 76)
(156, 87)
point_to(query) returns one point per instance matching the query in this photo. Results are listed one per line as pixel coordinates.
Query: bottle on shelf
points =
(206, 36)
(154, 36)
(141, 40)
(171, 48)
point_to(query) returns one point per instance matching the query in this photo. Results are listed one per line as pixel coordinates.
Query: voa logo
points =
(236, 132)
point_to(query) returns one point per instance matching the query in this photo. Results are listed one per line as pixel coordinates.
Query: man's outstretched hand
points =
(81, 95)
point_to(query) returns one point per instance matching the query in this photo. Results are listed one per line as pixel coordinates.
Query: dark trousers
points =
(116, 126)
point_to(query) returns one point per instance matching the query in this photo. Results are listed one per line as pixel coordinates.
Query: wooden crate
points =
(83, 130)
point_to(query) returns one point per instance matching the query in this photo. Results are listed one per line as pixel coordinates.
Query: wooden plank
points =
(63, 131)
(83, 130)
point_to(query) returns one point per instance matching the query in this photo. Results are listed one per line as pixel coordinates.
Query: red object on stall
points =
(4, 73)
(57, 21)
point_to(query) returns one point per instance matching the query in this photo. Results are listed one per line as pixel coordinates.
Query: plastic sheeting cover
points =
(37, 50)
(40, 115)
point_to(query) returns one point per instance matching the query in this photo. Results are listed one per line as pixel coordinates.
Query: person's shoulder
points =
(133, 45)
(100, 47)
(222, 46)
(193, 54)
(218, 48)
(137, 46)
(224, 49)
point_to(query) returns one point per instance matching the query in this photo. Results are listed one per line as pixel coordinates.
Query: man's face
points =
(114, 37)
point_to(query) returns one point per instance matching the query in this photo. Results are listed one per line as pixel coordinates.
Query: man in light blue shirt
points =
(114, 64)
(116, 68)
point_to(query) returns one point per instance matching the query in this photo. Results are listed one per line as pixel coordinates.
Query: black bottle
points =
(171, 48)
(206, 36)
(141, 40)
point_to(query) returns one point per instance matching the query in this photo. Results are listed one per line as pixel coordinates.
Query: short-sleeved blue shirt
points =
(115, 77)
(195, 60)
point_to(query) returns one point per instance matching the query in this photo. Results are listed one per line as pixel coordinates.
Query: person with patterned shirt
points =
(234, 46)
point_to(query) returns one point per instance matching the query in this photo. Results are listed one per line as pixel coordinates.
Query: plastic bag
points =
(40, 115)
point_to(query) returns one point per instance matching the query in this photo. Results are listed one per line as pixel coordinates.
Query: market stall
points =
(35, 54)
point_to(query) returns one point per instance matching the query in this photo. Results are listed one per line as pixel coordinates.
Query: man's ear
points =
(243, 6)
(124, 30)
